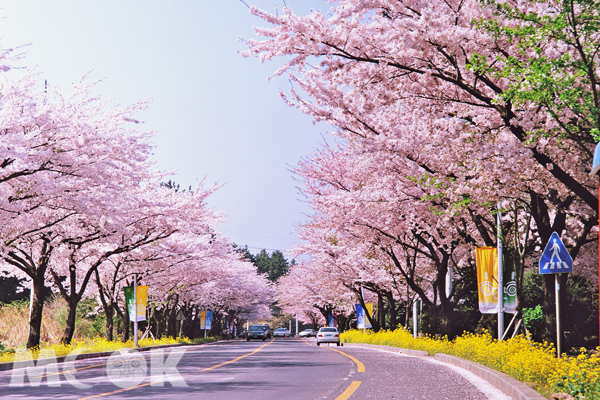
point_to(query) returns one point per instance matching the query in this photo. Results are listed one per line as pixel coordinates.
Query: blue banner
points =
(208, 319)
(330, 320)
(360, 317)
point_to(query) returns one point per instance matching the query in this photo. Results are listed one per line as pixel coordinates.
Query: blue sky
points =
(214, 113)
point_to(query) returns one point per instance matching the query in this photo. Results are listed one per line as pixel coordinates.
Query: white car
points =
(308, 333)
(328, 335)
(281, 332)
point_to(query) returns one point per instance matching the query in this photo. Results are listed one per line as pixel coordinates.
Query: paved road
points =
(278, 369)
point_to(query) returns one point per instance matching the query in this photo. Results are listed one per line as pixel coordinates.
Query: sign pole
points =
(558, 333)
(500, 277)
(556, 260)
(135, 318)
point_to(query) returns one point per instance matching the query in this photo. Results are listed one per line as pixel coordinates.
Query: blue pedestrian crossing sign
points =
(555, 258)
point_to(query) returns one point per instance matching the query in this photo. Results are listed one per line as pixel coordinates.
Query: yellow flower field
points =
(529, 362)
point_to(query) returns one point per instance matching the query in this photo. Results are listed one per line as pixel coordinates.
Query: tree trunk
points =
(380, 311)
(109, 328)
(549, 309)
(35, 313)
(124, 321)
(70, 328)
(393, 311)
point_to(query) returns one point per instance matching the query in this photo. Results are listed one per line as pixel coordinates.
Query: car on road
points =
(328, 335)
(256, 332)
(308, 333)
(268, 330)
(281, 332)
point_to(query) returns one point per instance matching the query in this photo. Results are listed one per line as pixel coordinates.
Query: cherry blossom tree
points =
(428, 90)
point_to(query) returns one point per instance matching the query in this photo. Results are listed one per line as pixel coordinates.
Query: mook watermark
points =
(124, 369)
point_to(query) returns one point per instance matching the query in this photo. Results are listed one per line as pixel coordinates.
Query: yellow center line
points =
(143, 354)
(355, 384)
(361, 366)
(349, 391)
(160, 380)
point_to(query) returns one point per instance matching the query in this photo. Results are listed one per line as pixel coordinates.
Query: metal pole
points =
(415, 319)
(135, 321)
(557, 292)
(296, 324)
(449, 282)
(500, 280)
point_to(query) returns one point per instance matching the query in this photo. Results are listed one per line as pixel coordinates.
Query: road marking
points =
(161, 380)
(361, 366)
(239, 358)
(349, 391)
(145, 354)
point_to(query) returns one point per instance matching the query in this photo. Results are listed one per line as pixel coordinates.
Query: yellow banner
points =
(369, 307)
(486, 259)
(203, 319)
(142, 302)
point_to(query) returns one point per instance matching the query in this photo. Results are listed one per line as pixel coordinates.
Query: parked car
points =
(281, 332)
(308, 333)
(328, 335)
(256, 332)
(267, 329)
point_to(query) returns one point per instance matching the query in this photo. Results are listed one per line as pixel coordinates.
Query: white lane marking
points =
(492, 392)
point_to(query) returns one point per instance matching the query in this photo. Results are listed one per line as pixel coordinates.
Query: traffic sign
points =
(555, 258)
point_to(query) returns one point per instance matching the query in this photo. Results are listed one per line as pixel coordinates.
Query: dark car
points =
(267, 330)
(256, 332)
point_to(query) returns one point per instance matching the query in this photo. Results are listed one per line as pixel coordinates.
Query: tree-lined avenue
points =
(277, 369)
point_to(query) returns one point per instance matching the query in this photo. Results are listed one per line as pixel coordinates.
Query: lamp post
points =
(500, 276)
(595, 170)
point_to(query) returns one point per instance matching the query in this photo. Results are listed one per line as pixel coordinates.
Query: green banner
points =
(142, 300)
(510, 289)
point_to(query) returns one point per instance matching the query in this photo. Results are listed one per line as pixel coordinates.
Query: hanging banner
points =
(486, 259)
(209, 315)
(360, 317)
(510, 289)
(369, 307)
(142, 302)
(330, 320)
(202, 319)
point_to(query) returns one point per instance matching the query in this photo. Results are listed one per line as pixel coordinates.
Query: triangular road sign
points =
(555, 258)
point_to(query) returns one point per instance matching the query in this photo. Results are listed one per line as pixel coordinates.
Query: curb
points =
(83, 356)
(507, 384)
